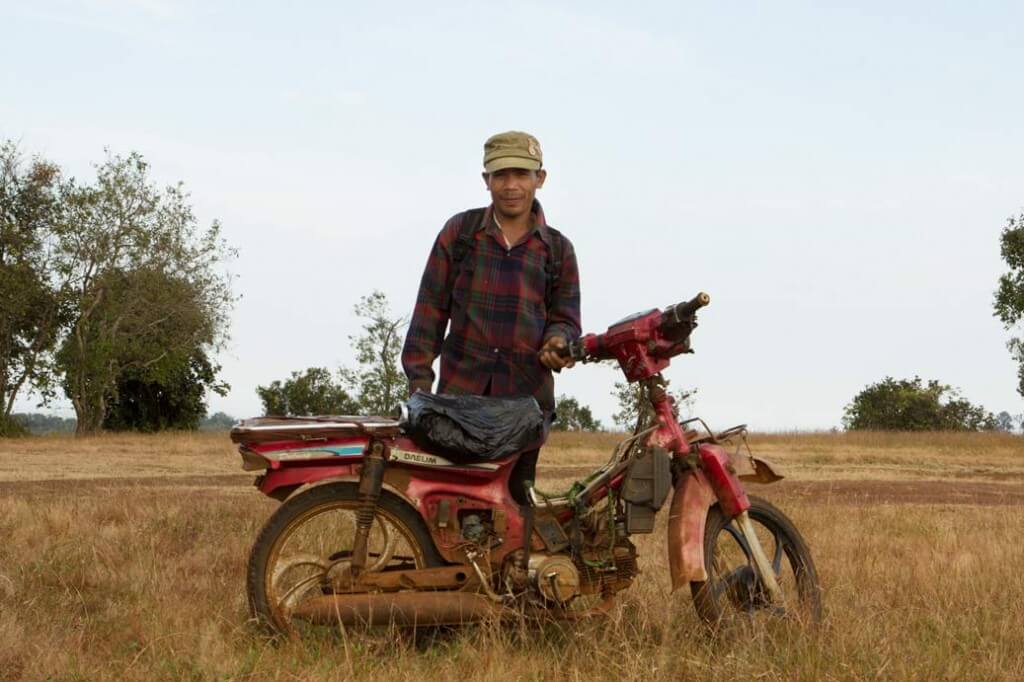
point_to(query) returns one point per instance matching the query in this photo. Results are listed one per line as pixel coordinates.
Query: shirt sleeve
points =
(430, 315)
(564, 315)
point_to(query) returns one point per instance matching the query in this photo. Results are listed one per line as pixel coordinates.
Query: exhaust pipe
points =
(399, 608)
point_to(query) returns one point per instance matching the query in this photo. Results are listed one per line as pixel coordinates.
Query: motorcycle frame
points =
(704, 473)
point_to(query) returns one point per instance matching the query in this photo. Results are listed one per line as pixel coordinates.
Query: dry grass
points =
(138, 574)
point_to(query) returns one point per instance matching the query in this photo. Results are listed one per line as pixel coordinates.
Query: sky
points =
(836, 176)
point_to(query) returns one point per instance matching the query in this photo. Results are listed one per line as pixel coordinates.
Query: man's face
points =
(512, 189)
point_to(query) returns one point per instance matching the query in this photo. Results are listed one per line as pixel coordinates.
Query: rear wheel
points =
(304, 549)
(734, 592)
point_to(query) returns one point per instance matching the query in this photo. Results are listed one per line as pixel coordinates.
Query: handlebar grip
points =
(681, 311)
(574, 351)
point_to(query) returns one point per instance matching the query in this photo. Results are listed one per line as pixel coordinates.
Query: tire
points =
(734, 593)
(305, 542)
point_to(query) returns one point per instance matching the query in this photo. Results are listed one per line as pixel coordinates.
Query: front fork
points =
(761, 563)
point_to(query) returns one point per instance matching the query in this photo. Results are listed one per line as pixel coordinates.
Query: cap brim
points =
(511, 162)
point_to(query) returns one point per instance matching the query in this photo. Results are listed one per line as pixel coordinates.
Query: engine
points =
(559, 578)
(600, 573)
(554, 577)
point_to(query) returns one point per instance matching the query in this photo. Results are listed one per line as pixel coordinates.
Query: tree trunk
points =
(90, 417)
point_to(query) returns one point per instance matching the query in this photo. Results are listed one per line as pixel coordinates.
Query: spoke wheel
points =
(305, 550)
(734, 592)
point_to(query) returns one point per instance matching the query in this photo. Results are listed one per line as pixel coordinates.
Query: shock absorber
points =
(371, 479)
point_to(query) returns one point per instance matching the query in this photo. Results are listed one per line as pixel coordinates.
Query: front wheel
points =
(734, 591)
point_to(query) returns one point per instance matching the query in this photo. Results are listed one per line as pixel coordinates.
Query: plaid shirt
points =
(497, 311)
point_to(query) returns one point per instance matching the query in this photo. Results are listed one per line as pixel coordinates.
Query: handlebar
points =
(681, 312)
(674, 318)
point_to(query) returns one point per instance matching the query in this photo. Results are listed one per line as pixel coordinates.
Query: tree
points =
(632, 398)
(1009, 298)
(912, 405)
(218, 421)
(168, 395)
(38, 424)
(378, 382)
(1005, 422)
(571, 416)
(312, 392)
(31, 211)
(145, 283)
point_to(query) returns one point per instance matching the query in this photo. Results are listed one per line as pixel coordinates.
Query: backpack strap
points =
(553, 267)
(472, 222)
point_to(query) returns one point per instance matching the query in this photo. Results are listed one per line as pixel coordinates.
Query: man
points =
(508, 284)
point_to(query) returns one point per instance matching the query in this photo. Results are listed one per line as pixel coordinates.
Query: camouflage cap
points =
(513, 149)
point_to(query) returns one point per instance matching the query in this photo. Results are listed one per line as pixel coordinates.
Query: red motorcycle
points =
(377, 528)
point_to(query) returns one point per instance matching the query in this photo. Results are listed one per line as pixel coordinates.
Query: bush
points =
(11, 427)
(571, 416)
(912, 405)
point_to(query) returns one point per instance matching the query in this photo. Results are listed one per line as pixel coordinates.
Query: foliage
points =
(218, 421)
(378, 381)
(168, 395)
(1009, 298)
(307, 393)
(571, 416)
(12, 427)
(39, 424)
(1006, 422)
(912, 405)
(145, 284)
(631, 399)
(31, 304)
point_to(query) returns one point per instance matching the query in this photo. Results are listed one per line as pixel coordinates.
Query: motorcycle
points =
(376, 528)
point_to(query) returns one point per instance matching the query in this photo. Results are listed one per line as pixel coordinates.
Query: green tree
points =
(912, 405)
(632, 398)
(1009, 298)
(146, 284)
(312, 392)
(218, 421)
(378, 380)
(1009, 303)
(31, 305)
(1006, 422)
(168, 395)
(571, 416)
(39, 424)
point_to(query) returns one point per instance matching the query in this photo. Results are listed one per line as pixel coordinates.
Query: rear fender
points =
(282, 482)
(287, 486)
(689, 511)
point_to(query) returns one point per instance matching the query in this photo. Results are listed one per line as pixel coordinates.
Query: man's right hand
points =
(549, 354)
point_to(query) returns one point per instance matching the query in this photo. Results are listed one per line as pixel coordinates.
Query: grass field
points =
(122, 557)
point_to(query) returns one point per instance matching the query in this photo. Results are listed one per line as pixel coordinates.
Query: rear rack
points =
(269, 429)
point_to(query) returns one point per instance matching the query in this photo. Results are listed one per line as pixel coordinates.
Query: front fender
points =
(689, 511)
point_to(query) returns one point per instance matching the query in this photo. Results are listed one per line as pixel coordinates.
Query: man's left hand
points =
(549, 356)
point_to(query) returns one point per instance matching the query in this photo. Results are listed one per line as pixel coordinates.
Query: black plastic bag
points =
(471, 427)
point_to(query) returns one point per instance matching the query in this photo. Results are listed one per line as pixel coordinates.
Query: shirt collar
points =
(540, 225)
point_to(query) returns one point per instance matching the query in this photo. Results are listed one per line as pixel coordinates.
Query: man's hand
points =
(549, 356)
